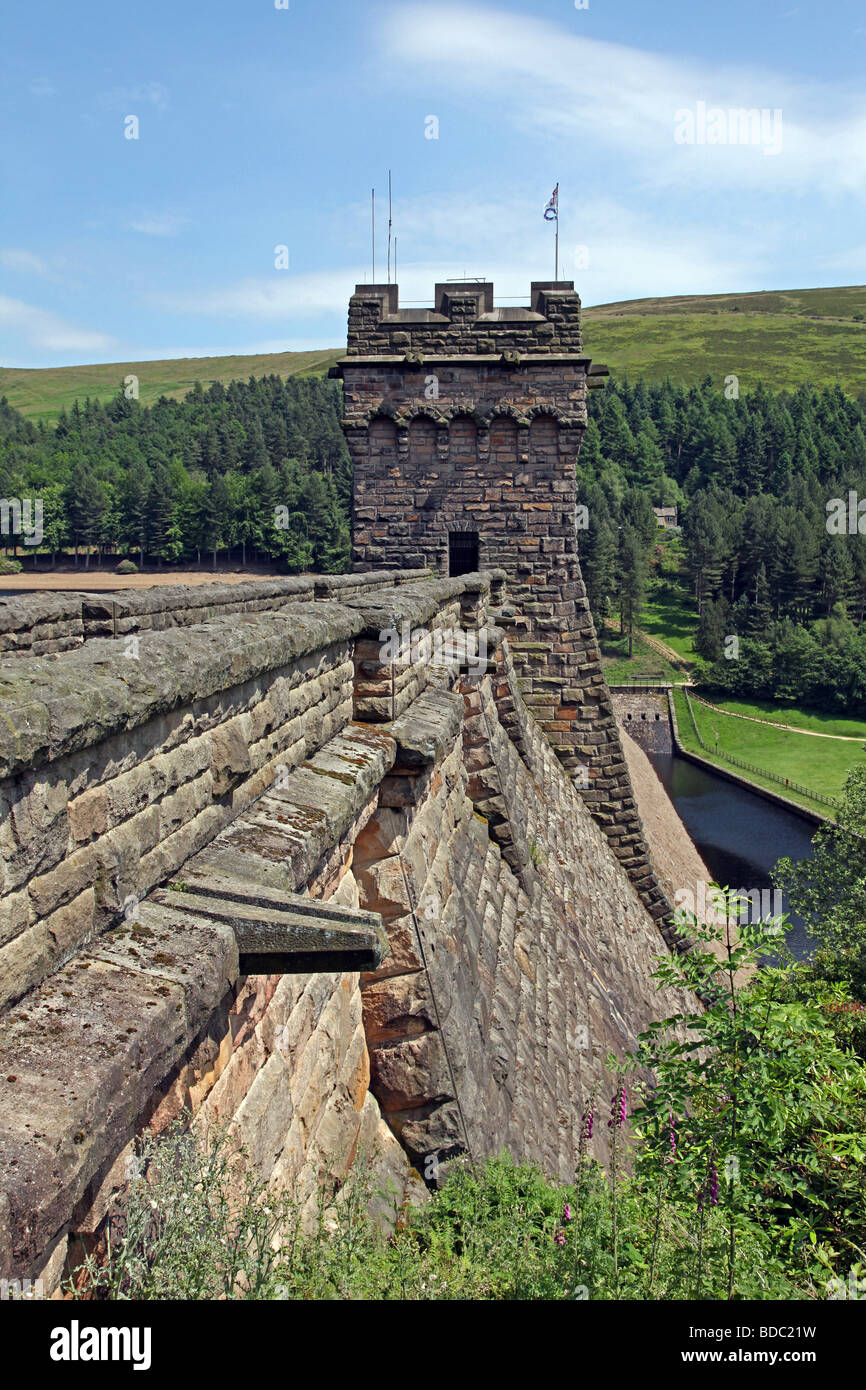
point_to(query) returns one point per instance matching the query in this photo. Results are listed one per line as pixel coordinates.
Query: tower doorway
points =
(462, 552)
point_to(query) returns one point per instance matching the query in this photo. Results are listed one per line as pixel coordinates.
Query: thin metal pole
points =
(373, 217)
(556, 270)
(389, 226)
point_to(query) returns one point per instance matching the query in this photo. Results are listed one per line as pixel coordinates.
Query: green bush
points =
(126, 567)
(9, 566)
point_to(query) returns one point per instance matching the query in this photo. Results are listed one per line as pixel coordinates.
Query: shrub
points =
(9, 566)
(126, 567)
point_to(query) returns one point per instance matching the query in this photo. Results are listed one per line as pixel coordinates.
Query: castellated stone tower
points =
(464, 423)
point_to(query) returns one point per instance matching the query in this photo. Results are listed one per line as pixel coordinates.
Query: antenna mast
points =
(389, 226)
(373, 226)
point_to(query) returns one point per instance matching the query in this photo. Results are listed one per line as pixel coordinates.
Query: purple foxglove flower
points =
(617, 1110)
(714, 1184)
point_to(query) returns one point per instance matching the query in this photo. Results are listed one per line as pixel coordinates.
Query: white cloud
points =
(47, 332)
(630, 254)
(153, 93)
(24, 262)
(159, 224)
(613, 99)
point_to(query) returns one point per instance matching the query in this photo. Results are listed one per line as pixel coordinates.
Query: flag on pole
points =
(551, 212)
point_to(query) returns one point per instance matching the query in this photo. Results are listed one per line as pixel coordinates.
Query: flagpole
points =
(556, 271)
(373, 228)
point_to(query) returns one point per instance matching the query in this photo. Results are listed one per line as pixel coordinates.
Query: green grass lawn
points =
(815, 720)
(817, 763)
(645, 664)
(670, 617)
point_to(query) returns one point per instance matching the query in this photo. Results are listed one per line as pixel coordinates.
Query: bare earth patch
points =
(97, 580)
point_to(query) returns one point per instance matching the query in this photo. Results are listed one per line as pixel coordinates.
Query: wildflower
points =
(560, 1237)
(567, 1214)
(617, 1110)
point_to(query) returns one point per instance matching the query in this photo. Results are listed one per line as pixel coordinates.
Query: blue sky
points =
(261, 127)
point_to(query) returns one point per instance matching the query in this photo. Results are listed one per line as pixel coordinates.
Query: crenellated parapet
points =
(465, 321)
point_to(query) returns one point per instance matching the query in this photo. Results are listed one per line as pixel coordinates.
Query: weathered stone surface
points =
(81, 1058)
(427, 731)
(57, 707)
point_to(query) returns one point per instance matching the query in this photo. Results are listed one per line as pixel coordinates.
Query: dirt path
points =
(661, 648)
(773, 724)
(96, 580)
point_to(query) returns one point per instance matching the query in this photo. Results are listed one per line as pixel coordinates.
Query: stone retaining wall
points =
(644, 716)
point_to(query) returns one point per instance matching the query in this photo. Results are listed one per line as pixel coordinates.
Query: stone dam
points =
(360, 865)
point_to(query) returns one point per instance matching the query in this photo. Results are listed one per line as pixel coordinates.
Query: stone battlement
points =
(465, 322)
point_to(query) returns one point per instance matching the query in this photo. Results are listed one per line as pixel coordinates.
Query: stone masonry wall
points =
(645, 717)
(414, 785)
(228, 738)
(520, 952)
(116, 770)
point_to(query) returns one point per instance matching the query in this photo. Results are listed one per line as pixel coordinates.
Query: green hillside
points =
(785, 337)
(44, 392)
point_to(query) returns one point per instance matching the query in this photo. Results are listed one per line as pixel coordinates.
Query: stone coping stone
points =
(178, 597)
(281, 839)
(428, 729)
(414, 603)
(279, 932)
(51, 707)
(82, 1055)
(22, 612)
(125, 603)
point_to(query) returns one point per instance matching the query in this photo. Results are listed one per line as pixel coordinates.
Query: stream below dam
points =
(738, 834)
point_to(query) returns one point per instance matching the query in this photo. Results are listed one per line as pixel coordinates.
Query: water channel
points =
(738, 834)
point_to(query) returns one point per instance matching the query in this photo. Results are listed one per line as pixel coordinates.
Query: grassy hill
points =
(785, 337)
(45, 391)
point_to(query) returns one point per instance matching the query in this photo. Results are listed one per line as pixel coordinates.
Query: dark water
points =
(739, 835)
